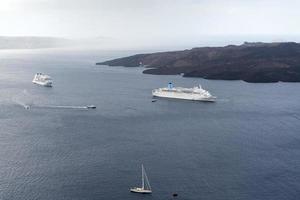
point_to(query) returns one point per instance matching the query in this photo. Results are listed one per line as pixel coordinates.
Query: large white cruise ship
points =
(42, 79)
(196, 93)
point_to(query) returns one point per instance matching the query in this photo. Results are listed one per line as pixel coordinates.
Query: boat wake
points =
(33, 106)
(64, 107)
(25, 100)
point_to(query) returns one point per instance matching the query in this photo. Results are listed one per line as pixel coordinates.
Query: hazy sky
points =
(150, 20)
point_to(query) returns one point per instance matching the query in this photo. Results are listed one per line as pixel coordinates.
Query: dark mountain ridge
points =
(251, 62)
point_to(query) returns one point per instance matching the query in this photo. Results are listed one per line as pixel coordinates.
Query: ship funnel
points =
(170, 86)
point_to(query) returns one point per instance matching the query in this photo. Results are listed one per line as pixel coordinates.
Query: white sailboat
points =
(146, 188)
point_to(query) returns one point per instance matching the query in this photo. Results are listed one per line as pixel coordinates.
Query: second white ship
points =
(42, 79)
(196, 93)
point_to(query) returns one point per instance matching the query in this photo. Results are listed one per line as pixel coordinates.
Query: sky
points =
(153, 21)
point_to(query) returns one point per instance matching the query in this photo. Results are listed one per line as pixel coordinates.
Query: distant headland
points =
(32, 42)
(252, 62)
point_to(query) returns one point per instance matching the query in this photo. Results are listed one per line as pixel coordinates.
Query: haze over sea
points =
(245, 146)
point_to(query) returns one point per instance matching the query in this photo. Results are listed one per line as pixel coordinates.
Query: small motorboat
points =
(91, 107)
(27, 107)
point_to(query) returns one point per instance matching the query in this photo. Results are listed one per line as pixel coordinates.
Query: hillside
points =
(251, 62)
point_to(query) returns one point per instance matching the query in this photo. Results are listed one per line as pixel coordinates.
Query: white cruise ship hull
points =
(46, 84)
(185, 96)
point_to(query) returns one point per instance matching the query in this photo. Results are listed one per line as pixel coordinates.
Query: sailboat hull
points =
(140, 190)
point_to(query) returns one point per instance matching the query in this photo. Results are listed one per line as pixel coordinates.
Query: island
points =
(251, 62)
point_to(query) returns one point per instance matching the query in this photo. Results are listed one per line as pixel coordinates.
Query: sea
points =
(245, 146)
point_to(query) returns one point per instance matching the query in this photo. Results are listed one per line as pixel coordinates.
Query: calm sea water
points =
(245, 146)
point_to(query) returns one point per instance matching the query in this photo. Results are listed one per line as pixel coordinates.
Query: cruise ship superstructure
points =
(196, 93)
(42, 79)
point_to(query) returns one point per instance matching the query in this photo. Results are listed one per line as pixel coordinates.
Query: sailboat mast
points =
(143, 177)
(147, 180)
